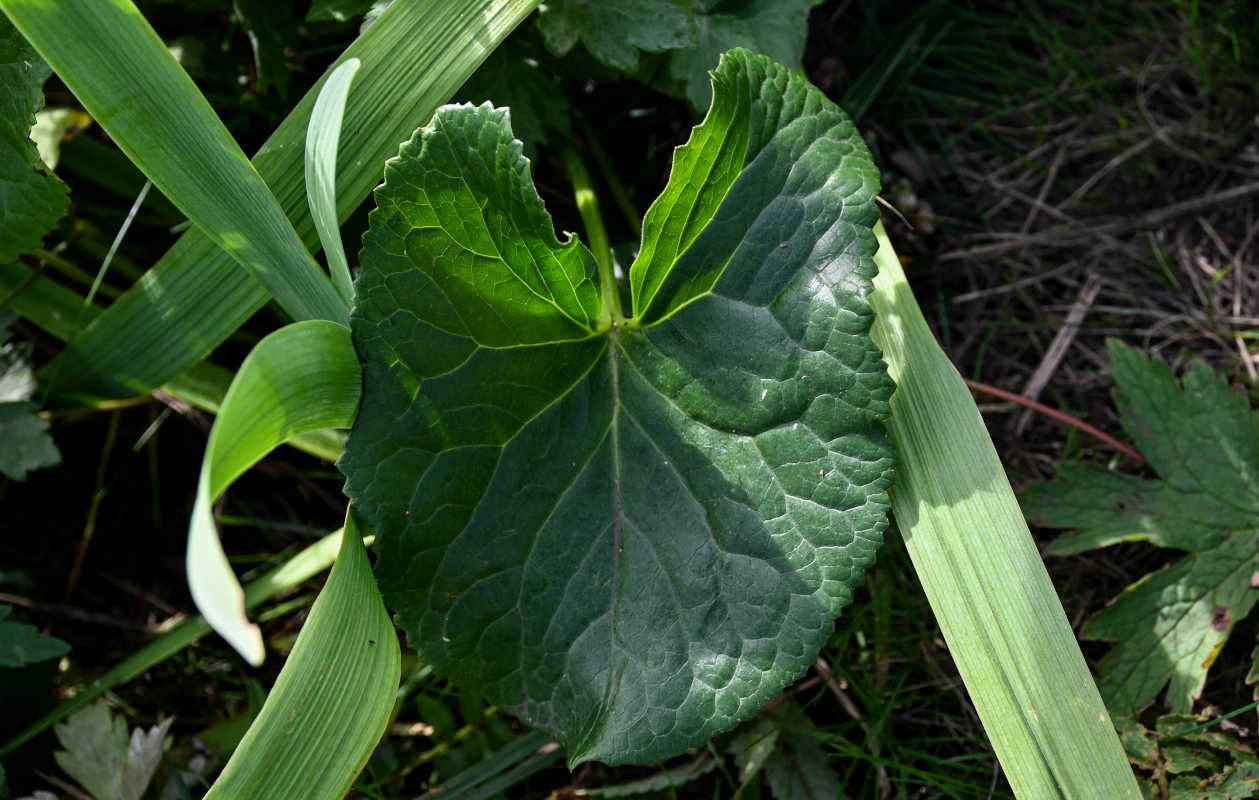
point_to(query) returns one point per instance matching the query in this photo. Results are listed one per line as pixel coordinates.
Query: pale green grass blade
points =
(57, 310)
(119, 69)
(306, 564)
(322, 137)
(414, 58)
(332, 700)
(982, 573)
(304, 377)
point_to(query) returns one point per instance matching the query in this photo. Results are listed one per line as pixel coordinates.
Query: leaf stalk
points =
(596, 234)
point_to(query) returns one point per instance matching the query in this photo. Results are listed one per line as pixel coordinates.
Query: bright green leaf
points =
(1200, 438)
(332, 700)
(100, 756)
(322, 139)
(629, 533)
(615, 30)
(32, 200)
(25, 444)
(52, 126)
(22, 644)
(302, 378)
(776, 28)
(982, 572)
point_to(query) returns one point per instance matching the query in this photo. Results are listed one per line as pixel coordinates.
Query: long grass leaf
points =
(303, 377)
(46, 303)
(120, 71)
(332, 700)
(414, 58)
(321, 170)
(982, 573)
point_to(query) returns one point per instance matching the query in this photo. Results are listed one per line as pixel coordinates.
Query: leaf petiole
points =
(596, 234)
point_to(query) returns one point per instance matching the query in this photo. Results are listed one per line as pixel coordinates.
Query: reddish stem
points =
(1054, 413)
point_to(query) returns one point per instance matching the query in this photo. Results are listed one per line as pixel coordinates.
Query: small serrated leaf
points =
(1200, 437)
(776, 28)
(615, 30)
(99, 755)
(801, 770)
(95, 749)
(22, 643)
(25, 444)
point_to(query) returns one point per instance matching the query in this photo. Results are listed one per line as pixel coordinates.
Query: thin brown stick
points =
(1070, 236)
(1054, 413)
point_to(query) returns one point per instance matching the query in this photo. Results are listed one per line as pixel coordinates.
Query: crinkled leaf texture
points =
(629, 531)
(1201, 440)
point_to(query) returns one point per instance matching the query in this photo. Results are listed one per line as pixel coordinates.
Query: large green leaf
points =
(32, 200)
(630, 532)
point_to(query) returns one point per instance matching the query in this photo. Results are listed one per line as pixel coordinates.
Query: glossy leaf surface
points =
(630, 532)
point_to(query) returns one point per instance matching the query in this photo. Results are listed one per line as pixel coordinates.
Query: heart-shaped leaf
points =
(629, 531)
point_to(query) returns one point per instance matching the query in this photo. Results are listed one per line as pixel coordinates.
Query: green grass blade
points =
(332, 700)
(321, 170)
(56, 309)
(119, 69)
(302, 378)
(414, 58)
(309, 562)
(982, 573)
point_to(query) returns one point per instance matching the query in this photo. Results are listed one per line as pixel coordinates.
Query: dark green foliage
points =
(32, 200)
(615, 30)
(1200, 438)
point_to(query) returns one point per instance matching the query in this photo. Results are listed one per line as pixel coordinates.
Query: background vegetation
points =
(1067, 173)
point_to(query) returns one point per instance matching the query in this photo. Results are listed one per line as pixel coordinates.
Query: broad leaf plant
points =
(631, 526)
(626, 502)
